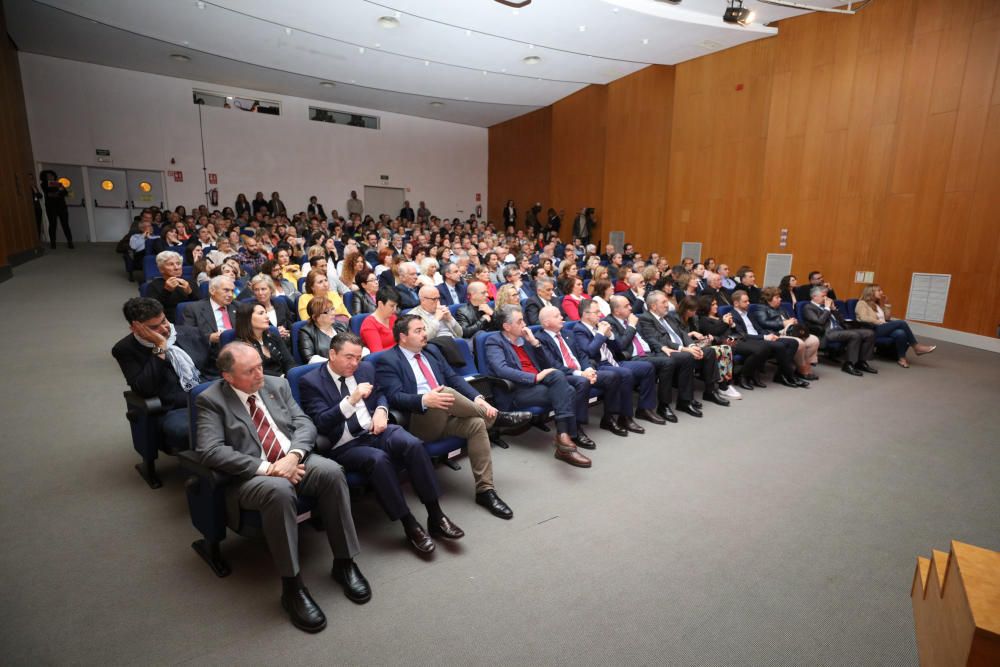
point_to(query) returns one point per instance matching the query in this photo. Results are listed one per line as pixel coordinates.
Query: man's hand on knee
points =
(288, 466)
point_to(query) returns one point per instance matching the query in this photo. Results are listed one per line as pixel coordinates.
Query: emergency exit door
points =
(109, 189)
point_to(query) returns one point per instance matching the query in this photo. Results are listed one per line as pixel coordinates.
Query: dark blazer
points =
(259, 204)
(461, 288)
(317, 210)
(242, 207)
(638, 305)
(553, 354)
(472, 321)
(802, 293)
(362, 303)
(276, 207)
(818, 320)
(280, 361)
(321, 398)
(657, 337)
(201, 316)
(152, 377)
(534, 304)
(768, 319)
(312, 341)
(396, 380)
(723, 296)
(752, 291)
(283, 314)
(157, 291)
(407, 297)
(509, 216)
(741, 327)
(406, 213)
(502, 361)
(717, 328)
(624, 337)
(590, 343)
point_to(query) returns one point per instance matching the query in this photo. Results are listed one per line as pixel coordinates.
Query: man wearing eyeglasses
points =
(437, 318)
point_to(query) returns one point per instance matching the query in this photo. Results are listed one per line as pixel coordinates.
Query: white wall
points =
(147, 119)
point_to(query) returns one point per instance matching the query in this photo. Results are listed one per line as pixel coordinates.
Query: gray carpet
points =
(782, 530)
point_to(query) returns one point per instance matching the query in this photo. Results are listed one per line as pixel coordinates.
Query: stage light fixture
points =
(737, 13)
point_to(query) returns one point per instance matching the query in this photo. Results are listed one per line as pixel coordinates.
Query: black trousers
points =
(62, 216)
(755, 354)
(677, 368)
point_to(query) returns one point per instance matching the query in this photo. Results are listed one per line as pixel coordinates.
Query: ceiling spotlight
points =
(645, 40)
(388, 22)
(583, 28)
(514, 3)
(737, 13)
(437, 104)
(361, 50)
(201, 5)
(531, 60)
(180, 57)
(327, 84)
(427, 63)
(288, 31)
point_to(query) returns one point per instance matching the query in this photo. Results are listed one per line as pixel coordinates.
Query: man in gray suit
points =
(250, 427)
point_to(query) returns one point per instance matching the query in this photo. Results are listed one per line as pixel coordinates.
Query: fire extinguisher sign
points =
(213, 179)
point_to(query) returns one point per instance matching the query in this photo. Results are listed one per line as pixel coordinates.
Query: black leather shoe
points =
(688, 408)
(812, 377)
(650, 416)
(611, 424)
(696, 403)
(443, 527)
(800, 383)
(348, 574)
(491, 501)
(757, 383)
(420, 540)
(863, 366)
(782, 380)
(303, 610)
(715, 397)
(667, 414)
(511, 419)
(849, 368)
(629, 424)
(743, 383)
(582, 440)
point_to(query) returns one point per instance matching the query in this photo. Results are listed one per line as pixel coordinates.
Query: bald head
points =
(550, 318)
(428, 292)
(620, 307)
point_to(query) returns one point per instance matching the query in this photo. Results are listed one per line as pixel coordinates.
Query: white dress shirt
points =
(360, 410)
(751, 329)
(569, 351)
(219, 324)
(605, 352)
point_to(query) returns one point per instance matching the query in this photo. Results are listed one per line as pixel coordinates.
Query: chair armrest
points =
(138, 406)
(398, 417)
(191, 462)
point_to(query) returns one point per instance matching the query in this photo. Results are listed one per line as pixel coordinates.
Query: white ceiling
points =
(468, 54)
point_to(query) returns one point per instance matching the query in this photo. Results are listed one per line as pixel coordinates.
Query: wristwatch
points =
(159, 350)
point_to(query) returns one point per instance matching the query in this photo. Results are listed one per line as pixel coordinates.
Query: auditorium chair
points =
(356, 321)
(787, 309)
(724, 309)
(294, 334)
(181, 307)
(882, 343)
(149, 268)
(206, 495)
(143, 416)
(828, 346)
(348, 298)
(539, 414)
(229, 335)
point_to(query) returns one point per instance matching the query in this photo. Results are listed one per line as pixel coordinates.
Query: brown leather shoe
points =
(629, 424)
(568, 453)
(444, 527)
(419, 539)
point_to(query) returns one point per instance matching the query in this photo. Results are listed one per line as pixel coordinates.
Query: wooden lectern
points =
(956, 607)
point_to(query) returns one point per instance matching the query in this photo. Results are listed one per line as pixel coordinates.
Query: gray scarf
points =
(179, 360)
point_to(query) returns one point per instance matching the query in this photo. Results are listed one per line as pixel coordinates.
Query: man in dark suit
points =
(816, 279)
(353, 416)
(630, 345)
(746, 280)
(453, 289)
(406, 213)
(515, 355)
(562, 353)
(782, 349)
(215, 314)
(593, 337)
(408, 285)
(161, 361)
(664, 334)
(476, 314)
(251, 428)
(419, 381)
(512, 276)
(544, 296)
(715, 290)
(170, 288)
(822, 318)
(636, 292)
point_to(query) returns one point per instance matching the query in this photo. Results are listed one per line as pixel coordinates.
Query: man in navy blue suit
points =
(453, 288)
(563, 353)
(516, 355)
(408, 285)
(341, 400)
(594, 337)
(417, 379)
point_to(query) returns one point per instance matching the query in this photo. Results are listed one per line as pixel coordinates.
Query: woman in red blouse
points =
(572, 287)
(376, 329)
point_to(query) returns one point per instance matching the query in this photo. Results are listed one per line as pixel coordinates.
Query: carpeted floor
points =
(780, 531)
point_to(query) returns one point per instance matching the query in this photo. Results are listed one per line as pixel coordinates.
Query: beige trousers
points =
(807, 352)
(466, 420)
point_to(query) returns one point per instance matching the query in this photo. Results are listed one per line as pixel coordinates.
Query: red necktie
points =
(567, 359)
(226, 323)
(268, 441)
(425, 369)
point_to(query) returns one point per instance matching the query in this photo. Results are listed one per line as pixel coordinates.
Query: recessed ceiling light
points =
(352, 80)
(503, 69)
(180, 57)
(466, 99)
(388, 22)
(361, 49)
(614, 9)
(398, 15)
(468, 33)
(437, 104)
(484, 72)
(645, 40)
(583, 28)
(531, 60)
(327, 84)
(201, 5)
(426, 63)
(288, 31)
(377, 44)
(515, 12)
(531, 46)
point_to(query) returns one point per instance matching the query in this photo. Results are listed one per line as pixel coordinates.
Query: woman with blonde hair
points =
(354, 263)
(873, 311)
(506, 296)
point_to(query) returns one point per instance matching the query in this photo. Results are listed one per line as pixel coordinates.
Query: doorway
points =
(380, 200)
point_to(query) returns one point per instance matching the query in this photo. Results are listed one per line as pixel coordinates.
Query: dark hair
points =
(141, 308)
(599, 287)
(585, 306)
(568, 283)
(318, 306)
(686, 305)
(742, 271)
(739, 294)
(244, 314)
(786, 283)
(402, 325)
(312, 278)
(705, 302)
(813, 274)
(387, 293)
(769, 293)
(343, 338)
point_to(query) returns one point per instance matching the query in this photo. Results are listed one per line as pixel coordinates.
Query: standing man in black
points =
(55, 207)
(406, 213)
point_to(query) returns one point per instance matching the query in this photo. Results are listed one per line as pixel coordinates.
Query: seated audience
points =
(823, 319)
(782, 349)
(408, 285)
(364, 296)
(352, 414)
(476, 314)
(254, 328)
(215, 314)
(746, 280)
(278, 312)
(687, 316)
(572, 288)
(282, 286)
(317, 285)
(170, 288)
(787, 288)
(438, 320)
(769, 319)
(452, 288)
(376, 330)
(871, 311)
(816, 279)
(602, 291)
(316, 334)
(482, 274)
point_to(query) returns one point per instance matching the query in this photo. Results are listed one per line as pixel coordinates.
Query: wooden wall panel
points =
(17, 219)
(874, 139)
(520, 153)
